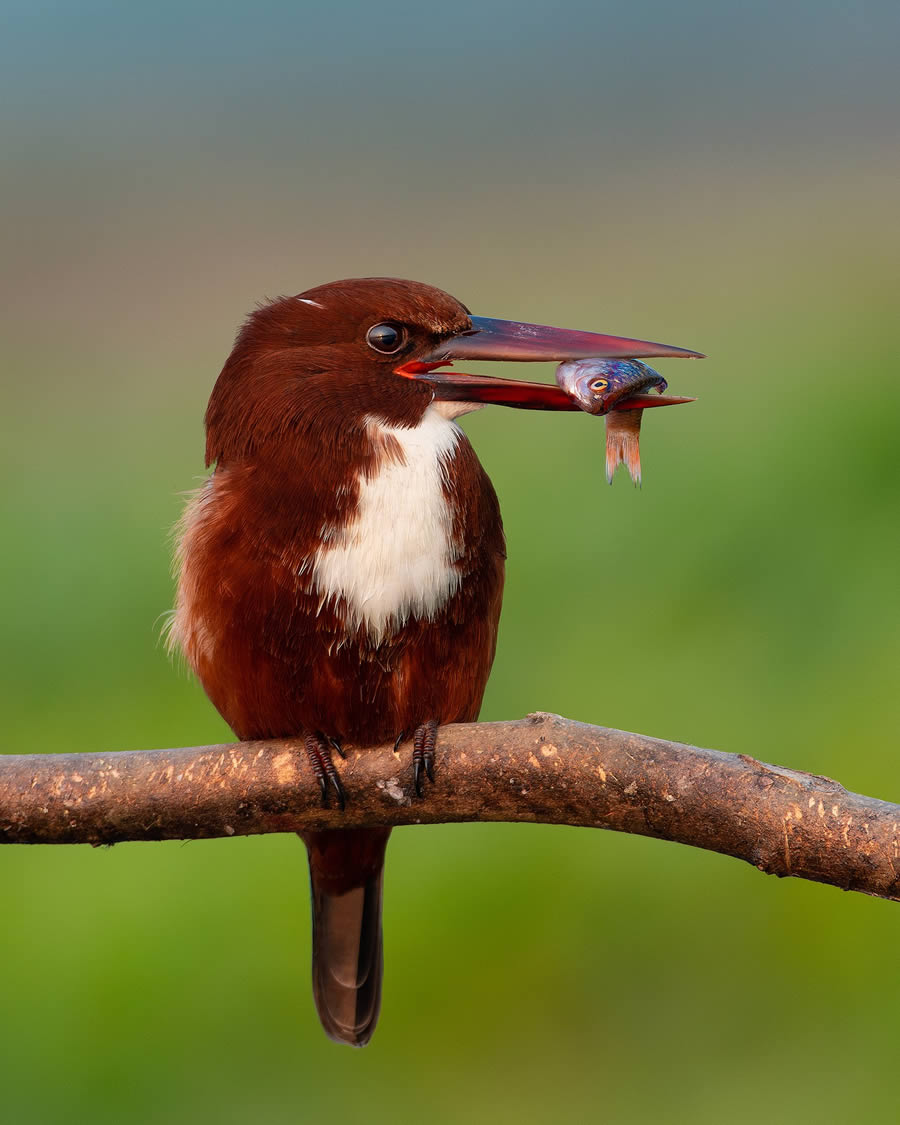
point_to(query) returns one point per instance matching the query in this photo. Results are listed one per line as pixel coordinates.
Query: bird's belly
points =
(284, 681)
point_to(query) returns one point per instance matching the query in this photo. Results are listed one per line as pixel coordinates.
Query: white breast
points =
(395, 560)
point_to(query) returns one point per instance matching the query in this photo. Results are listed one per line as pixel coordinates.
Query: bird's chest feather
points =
(298, 558)
(395, 557)
(360, 603)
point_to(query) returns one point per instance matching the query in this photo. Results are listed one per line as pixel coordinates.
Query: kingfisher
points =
(340, 573)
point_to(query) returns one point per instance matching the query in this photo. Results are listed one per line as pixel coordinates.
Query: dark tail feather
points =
(346, 868)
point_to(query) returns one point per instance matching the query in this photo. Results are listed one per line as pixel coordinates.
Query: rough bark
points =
(543, 769)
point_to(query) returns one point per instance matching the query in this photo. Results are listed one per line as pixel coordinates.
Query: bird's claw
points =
(423, 753)
(319, 753)
(417, 777)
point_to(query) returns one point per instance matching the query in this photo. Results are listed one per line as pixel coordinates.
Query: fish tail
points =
(623, 429)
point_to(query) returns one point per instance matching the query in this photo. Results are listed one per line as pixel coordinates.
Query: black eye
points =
(386, 338)
(599, 384)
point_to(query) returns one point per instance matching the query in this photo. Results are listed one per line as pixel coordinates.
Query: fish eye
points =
(598, 384)
(386, 338)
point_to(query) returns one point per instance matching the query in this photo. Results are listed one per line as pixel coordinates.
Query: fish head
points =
(602, 385)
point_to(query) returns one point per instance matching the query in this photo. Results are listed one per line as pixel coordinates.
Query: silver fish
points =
(616, 388)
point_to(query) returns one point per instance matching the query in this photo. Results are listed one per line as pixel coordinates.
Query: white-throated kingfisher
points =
(341, 571)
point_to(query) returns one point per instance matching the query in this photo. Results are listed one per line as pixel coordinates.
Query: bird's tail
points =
(346, 868)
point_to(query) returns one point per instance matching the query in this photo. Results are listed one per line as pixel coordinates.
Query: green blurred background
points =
(721, 176)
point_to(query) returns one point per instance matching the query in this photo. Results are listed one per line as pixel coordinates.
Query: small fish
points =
(616, 388)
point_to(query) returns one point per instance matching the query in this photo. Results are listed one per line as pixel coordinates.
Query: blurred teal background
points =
(720, 176)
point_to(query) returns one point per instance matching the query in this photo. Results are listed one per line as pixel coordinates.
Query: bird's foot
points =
(318, 751)
(424, 739)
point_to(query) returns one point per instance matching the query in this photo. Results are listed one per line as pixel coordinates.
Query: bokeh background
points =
(719, 175)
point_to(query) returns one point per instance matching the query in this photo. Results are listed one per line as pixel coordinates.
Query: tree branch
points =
(543, 769)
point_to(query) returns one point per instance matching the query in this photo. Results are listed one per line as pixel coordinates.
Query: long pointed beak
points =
(514, 340)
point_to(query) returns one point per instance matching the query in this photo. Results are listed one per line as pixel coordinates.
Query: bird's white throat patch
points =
(396, 559)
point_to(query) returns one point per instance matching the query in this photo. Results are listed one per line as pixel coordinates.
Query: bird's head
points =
(339, 354)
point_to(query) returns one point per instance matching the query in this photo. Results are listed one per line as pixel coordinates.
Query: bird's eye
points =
(599, 384)
(386, 338)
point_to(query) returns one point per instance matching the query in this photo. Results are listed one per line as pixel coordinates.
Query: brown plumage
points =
(341, 572)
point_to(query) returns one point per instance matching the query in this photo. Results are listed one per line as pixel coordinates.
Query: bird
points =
(340, 572)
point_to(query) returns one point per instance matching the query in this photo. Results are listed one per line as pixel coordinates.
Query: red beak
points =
(512, 340)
